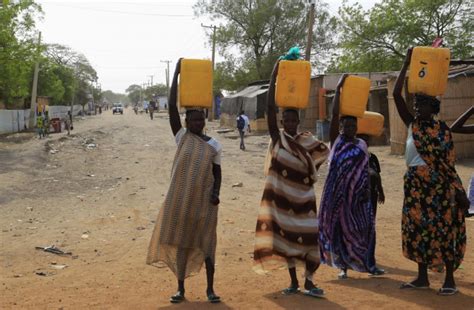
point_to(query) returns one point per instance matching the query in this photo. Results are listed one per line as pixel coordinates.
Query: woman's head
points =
(426, 106)
(290, 121)
(195, 121)
(348, 125)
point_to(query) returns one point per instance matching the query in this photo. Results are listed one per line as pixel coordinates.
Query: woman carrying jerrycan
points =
(433, 224)
(346, 217)
(185, 233)
(287, 226)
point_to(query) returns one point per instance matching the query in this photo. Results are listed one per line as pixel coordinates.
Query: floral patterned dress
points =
(433, 226)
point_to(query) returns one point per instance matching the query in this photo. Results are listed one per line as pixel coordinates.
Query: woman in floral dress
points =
(433, 225)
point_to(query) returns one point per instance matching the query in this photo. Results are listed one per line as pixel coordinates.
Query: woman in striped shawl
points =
(346, 218)
(185, 233)
(287, 226)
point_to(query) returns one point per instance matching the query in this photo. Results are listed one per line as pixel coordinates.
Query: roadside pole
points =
(31, 123)
(167, 75)
(309, 41)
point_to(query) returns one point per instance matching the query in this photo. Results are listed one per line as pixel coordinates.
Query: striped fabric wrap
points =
(287, 225)
(346, 218)
(185, 232)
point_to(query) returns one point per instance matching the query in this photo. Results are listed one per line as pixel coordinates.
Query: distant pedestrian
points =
(145, 106)
(68, 122)
(46, 124)
(152, 107)
(39, 126)
(243, 124)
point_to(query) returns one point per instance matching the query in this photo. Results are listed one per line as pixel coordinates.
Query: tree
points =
(134, 93)
(55, 81)
(17, 48)
(155, 90)
(112, 97)
(230, 77)
(261, 30)
(377, 39)
(75, 72)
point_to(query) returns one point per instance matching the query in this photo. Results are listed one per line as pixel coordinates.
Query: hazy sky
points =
(126, 40)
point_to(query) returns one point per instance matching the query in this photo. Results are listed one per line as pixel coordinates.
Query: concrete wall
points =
(17, 120)
(13, 120)
(59, 111)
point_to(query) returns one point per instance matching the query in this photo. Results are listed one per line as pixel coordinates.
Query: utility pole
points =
(210, 115)
(310, 30)
(151, 77)
(167, 75)
(144, 90)
(309, 41)
(72, 99)
(34, 90)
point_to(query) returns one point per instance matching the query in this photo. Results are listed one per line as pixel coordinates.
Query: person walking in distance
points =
(68, 122)
(243, 124)
(152, 107)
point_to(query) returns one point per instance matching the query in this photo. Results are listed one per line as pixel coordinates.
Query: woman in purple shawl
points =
(346, 218)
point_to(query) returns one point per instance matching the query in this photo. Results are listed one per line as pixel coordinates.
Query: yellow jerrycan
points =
(429, 68)
(292, 84)
(354, 96)
(370, 124)
(195, 83)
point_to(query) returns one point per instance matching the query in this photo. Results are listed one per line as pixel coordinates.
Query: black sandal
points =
(290, 290)
(177, 298)
(213, 298)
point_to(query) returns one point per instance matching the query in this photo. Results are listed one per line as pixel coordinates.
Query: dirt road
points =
(97, 193)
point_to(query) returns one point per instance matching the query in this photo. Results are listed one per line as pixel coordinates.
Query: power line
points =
(130, 67)
(121, 2)
(120, 12)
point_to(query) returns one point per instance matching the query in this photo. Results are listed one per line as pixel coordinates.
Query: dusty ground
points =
(100, 203)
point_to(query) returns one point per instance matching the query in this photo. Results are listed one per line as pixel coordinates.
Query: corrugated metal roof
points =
(460, 70)
(250, 91)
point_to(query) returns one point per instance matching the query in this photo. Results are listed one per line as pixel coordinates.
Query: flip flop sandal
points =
(177, 298)
(412, 286)
(342, 275)
(290, 290)
(314, 292)
(377, 272)
(447, 291)
(213, 298)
